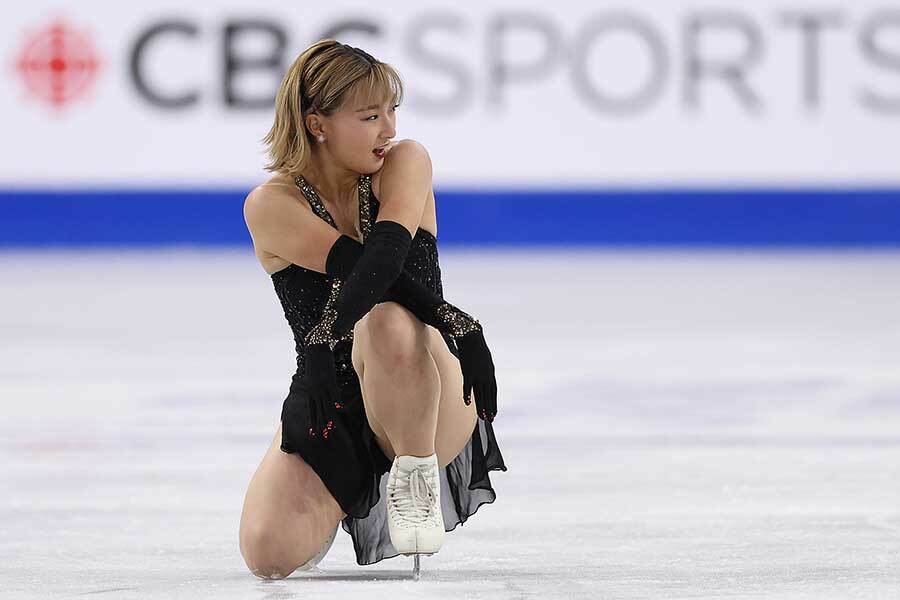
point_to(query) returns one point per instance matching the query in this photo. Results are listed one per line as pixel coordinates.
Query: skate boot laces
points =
(413, 497)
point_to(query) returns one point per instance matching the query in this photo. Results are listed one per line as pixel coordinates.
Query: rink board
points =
(660, 216)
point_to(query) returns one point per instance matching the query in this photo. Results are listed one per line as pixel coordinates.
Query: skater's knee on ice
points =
(269, 569)
(261, 556)
(269, 573)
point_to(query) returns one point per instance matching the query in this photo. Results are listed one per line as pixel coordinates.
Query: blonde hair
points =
(321, 78)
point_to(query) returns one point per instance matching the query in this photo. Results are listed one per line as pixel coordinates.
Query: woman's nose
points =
(390, 129)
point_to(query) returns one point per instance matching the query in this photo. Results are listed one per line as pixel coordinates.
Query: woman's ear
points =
(314, 124)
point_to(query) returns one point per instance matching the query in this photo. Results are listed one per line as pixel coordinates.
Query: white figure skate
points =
(415, 520)
(310, 565)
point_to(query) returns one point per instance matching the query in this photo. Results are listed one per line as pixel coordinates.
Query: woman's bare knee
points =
(394, 333)
(259, 548)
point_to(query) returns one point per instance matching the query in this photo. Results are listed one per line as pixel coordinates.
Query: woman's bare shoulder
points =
(397, 151)
(284, 228)
(272, 203)
(271, 195)
(275, 185)
(405, 149)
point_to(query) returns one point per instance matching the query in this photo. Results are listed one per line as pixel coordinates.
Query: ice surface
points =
(676, 424)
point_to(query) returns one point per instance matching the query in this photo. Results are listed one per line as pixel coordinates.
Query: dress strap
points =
(364, 189)
(309, 192)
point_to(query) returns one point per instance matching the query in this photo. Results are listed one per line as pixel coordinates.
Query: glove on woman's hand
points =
(478, 374)
(324, 394)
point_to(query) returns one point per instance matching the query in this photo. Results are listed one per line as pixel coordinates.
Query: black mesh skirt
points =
(355, 470)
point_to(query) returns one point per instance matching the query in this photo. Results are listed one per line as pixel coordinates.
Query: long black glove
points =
(474, 356)
(380, 264)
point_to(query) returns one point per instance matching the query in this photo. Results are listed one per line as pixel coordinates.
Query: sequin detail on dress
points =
(309, 192)
(365, 215)
(321, 333)
(459, 322)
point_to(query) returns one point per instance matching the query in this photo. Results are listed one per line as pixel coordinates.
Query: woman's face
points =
(355, 130)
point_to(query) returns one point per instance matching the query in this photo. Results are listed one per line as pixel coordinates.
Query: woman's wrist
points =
(457, 322)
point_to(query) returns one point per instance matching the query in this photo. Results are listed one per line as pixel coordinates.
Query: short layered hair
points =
(321, 79)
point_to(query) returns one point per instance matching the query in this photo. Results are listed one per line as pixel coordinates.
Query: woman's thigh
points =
(288, 513)
(456, 421)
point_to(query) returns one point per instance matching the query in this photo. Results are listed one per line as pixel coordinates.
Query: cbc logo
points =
(57, 64)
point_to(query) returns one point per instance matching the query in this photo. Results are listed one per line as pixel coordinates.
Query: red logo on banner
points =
(58, 64)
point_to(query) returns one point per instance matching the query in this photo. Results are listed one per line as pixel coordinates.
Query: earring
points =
(321, 138)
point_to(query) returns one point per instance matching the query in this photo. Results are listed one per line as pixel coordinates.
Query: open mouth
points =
(379, 152)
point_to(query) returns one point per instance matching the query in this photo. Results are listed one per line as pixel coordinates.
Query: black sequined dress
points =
(352, 466)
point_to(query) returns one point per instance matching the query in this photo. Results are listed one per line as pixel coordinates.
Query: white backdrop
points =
(502, 93)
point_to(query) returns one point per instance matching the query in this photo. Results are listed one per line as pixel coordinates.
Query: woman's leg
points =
(288, 514)
(411, 385)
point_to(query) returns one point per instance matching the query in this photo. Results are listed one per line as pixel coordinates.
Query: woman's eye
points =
(394, 108)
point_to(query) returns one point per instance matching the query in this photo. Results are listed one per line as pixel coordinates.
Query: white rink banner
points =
(503, 94)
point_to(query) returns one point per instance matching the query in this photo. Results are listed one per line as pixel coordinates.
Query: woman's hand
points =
(324, 394)
(478, 374)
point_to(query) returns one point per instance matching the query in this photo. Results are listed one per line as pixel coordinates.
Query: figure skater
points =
(378, 431)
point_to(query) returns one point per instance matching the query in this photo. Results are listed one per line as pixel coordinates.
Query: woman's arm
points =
(425, 304)
(405, 185)
(281, 225)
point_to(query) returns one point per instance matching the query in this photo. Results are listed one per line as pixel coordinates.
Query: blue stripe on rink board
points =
(646, 217)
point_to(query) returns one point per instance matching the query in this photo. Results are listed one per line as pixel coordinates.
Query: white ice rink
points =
(676, 425)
